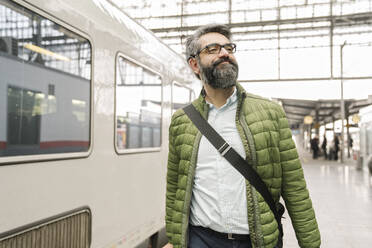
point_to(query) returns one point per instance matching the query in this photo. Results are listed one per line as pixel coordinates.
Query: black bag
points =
(281, 210)
(238, 163)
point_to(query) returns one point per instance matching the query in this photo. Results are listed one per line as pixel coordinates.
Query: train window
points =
(138, 107)
(44, 85)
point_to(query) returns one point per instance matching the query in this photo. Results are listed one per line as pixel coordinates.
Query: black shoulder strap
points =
(233, 157)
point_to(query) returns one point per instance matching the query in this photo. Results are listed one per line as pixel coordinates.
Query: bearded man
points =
(209, 204)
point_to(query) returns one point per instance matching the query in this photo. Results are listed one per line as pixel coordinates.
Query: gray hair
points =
(192, 42)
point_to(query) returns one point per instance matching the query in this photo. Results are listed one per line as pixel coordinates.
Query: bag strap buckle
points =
(224, 149)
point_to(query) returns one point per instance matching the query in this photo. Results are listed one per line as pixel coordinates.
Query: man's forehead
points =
(213, 37)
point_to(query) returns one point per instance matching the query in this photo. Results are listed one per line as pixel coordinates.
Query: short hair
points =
(192, 42)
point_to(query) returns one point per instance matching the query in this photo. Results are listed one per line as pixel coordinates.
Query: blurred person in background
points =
(336, 142)
(324, 146)
(315, 146)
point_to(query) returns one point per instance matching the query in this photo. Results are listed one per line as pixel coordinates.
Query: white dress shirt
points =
(219, 199)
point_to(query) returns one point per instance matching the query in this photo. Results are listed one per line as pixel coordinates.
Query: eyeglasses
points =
(215, 48)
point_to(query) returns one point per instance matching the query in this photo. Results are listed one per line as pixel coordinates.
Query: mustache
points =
(225, 59)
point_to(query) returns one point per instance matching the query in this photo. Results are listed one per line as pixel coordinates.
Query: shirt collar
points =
(232, 99)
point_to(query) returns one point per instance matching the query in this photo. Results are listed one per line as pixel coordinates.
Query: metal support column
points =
(309, 135)
(230, 9)
(342, 103)
(278, 31)
(331, 36)
(181, 24)
(347, 129)
(316, 125)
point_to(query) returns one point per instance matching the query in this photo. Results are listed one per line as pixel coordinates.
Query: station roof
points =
(322, 111)
(289, 41)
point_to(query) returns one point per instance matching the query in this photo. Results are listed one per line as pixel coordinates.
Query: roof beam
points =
(298, 106)
(292, 113)
(301, 79)
(336, 19)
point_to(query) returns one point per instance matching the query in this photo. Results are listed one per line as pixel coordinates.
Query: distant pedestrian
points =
(351, 142)
(331, 150)
(315, 146)
(336, 147)
(324, 146)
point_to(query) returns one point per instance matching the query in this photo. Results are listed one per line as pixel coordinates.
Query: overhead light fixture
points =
(355, 118)
(45, 52)
(308, 119)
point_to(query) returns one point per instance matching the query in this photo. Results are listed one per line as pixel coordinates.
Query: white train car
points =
(365, 138)
(86, 96)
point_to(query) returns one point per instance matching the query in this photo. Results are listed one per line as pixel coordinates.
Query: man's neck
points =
(217, 97)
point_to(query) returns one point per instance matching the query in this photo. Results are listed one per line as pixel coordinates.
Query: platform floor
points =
(342, 199)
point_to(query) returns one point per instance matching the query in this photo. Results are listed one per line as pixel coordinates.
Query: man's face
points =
(218, 70)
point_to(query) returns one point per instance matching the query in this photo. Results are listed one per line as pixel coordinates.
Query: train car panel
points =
(365, 138)
(125, 192)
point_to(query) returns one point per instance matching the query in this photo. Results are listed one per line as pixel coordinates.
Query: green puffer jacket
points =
(268, 144)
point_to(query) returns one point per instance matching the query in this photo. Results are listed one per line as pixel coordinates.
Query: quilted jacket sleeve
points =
(294, 191)
(172, 176)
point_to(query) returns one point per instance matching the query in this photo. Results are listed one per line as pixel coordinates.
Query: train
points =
(86, 98)
(365, 139)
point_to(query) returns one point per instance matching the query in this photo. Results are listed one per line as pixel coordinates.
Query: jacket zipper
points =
(253, 158)
(185, 221)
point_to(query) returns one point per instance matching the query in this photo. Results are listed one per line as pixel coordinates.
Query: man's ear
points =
(194, 65)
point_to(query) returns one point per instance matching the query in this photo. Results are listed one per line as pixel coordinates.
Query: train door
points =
(23, 125)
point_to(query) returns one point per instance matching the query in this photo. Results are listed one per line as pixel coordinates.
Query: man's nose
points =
(223, 52)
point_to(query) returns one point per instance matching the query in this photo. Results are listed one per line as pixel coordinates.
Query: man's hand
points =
(169, 245)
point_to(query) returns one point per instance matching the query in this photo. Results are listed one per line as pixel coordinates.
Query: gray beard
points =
(222, 78)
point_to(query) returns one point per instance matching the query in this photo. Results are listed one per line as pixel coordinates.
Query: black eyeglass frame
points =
(233, 45)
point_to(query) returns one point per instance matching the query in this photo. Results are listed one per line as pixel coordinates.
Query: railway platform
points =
(342, 199)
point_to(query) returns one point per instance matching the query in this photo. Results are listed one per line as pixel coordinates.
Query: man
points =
(209, 203)
(324, 146)
(315, 146)
(336, 146)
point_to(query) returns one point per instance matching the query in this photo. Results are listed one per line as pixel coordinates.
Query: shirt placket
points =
(213, 120)
(222, 173)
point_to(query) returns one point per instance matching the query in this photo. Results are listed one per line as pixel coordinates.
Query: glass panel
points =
(40, 62)
(23, 117)
(138, 106)
(316, 64)
(181, 96)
